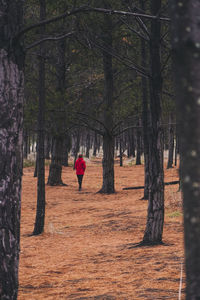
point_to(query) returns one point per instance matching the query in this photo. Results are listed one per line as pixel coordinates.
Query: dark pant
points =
(80, 178)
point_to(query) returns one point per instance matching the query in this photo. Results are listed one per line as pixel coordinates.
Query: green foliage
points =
(175, 214)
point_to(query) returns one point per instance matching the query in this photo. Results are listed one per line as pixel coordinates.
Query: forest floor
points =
(86, 250)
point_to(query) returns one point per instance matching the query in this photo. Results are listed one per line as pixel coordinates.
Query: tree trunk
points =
(171, 144)
(120, 151)
(25, 143)
(108, 165)
(47, 146)
(176, 146)
(185, 43)
(138, 141)
(55, 171)
(131, 143)
(66, 149)
(11, 145)
(155, 217)
(40, 213)
(95, 144)
(145, 116)
(88, 145)
(108, 139)
(77, 146)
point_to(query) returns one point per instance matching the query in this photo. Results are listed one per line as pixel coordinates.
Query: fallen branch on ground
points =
(142, 187)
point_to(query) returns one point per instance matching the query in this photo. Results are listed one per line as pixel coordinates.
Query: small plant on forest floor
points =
(174, 214)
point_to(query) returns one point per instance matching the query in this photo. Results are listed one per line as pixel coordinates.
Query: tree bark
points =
(145, 115)
(40, 211)
(25, 144)
(155, 216)
(95, 144)
(66, 149)
(47, 146)
(108, 165)
(186, 54)
(88, 145)
(11, 145)
(76, 146)
(55, 172)
(171, 144)
(120, 151)
(131, 143)
(108, 138)
(176, 147)
(138, 141)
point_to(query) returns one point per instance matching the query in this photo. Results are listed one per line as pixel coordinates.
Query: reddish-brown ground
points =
(86, 249)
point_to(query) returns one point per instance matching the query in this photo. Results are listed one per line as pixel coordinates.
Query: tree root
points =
(146, 244)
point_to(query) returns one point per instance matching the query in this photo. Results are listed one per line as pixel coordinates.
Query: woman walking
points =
(80, 167)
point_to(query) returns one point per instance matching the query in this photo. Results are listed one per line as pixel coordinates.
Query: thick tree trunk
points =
(186, 51)
(108, 139)
(40, 212)
(55, 171)
(171, 144)
(155, 217)
(108, 165)
(11, 145)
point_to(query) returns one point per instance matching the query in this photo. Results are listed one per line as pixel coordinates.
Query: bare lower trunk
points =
(155, 215)
(66, 149)
(47, 146)
(138, 140)
(185, 43)
(88, 145)
(108, 138)
(95, 145)
(55, 171)
(120, 151)
(145, 115)
(108, 165)
(76, 146)
(26, 144)
(171, 144)
(11, 143)
(40, 212)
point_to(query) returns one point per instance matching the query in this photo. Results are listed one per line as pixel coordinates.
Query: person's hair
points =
(80, 155)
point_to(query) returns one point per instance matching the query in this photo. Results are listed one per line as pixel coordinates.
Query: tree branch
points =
(124, 13)
(86, 8)
(52, 20)
(50, 38)
(135, 31)
(92, 118)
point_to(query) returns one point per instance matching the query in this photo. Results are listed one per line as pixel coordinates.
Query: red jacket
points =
(80, 166)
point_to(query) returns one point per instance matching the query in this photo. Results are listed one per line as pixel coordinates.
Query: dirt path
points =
(86, 250)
